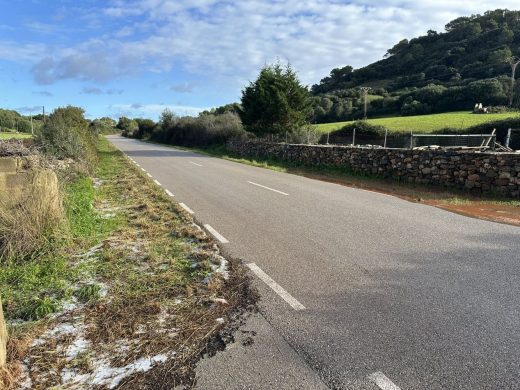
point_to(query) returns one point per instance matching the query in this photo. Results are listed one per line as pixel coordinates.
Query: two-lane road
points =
(372, 291)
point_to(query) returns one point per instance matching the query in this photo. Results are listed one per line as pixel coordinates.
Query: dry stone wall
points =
(475, 171)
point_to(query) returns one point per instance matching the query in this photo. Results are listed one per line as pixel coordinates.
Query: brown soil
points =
(501, 213)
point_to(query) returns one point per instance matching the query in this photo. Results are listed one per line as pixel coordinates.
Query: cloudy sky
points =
(136, 57)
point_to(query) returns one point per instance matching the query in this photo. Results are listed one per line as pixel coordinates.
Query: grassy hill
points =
(426, 123)
(443, 71)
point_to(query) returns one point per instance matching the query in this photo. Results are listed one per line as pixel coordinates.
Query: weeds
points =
(146, 291)
(88, 293)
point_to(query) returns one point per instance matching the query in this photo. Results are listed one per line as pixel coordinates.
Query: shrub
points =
(127, 126)
(66, 134)
(203, 131)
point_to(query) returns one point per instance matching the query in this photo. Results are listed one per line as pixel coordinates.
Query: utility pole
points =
(32, 128)
(514, 61)
(365, 95)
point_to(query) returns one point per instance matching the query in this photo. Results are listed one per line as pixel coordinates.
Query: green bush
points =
(66, 134)
(204, 130)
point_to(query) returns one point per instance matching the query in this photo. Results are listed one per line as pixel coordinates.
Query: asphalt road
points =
(378, 292)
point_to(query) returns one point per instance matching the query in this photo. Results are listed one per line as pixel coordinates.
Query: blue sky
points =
(137, 57)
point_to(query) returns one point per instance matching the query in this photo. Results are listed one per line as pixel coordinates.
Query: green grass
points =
(4, 136)
(426, 123)
(34, 287)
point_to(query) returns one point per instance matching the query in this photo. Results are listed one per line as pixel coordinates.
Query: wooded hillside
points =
(441, 71)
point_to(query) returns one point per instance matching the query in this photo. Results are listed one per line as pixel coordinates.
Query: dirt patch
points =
(500, 213)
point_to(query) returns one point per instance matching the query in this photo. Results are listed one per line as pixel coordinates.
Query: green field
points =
(426, 123)
(4, 136)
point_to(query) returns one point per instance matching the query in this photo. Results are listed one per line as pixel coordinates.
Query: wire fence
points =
(482, 142)
(445, 141)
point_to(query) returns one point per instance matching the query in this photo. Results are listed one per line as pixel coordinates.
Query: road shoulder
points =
(258, 359)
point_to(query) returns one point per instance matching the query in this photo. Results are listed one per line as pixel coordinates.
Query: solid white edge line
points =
(276, 287)
(268, 188)
(186, 208)
(382, 381)
(157, 182)
(168, 193)
(194, 163)
(148, 174)
(216, 234)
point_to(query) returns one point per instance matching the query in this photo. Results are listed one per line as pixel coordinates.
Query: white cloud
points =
(231, 40)
(152, 110)
(226, 42)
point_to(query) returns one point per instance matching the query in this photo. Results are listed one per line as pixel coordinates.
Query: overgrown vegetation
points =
(116, 257)
(66, 134)
(203, 130)
(145, 283)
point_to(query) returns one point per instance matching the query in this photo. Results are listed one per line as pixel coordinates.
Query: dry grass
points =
(162, 294)
(27, 223)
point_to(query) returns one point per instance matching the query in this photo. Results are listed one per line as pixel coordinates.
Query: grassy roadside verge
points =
(139, 291)
(487, 207)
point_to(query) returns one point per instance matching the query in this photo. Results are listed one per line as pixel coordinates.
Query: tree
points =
(127, 126)
(276, 102)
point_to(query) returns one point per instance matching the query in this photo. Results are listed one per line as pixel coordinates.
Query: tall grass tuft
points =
(27, 222)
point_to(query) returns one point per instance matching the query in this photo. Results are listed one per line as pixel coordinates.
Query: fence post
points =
(354, 137)
(386, 135)
(508, 138)
(3, 338)
(328, 135)
(411, 139)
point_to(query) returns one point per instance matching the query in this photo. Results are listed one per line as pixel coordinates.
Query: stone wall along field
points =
(479, 172)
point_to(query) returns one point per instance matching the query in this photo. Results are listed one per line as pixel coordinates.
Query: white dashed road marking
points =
(276, 287)
(194, 163)
(216, 234)
(186, 208)
(142, 169)
(157, 182)
(382, 381)
(148, 174)
(267, 188)
(168, 193)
